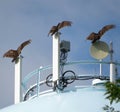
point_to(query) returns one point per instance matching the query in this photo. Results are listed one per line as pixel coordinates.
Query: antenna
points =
(111, 51)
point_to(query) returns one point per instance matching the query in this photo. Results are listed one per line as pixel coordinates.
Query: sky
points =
(21, 20)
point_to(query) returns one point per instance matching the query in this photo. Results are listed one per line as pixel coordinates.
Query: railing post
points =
(38, 80)
(100, 67)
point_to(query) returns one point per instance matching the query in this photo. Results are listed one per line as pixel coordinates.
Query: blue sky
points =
(32, 19)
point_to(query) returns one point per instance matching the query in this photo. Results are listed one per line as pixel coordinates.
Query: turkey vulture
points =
(55, 29)
(15, 53)
(96, 36)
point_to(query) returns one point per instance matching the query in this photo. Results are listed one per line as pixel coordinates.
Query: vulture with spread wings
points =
(15, 53)
(96, 36)
(55, 29)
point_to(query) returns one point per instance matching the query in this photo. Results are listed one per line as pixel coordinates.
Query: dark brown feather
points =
(15, 53)
(96, 36)
(91, 36)
(19, 49)
(11, 54)
(63, 24)
(105, 29)
(52, 30)
(55, 29)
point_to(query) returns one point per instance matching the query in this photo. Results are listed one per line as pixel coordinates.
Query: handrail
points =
(35, 72)
(91, 62)
(39, 70)
(71, 79)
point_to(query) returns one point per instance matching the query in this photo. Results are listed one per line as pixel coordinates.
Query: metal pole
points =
(18, 80)
(101, 68)
(112, 65)
(111, 51)
(56, 56)
(112, 73)
(38, 80)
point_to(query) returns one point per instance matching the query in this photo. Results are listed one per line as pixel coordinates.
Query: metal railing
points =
(38, 72)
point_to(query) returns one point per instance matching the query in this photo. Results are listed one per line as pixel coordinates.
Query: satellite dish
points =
(99, 50)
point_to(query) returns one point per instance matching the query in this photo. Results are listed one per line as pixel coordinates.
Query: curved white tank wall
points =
(79, 99)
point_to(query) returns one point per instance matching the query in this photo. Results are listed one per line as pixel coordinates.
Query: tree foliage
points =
(113, 91)
(112, 94)
(109, 109)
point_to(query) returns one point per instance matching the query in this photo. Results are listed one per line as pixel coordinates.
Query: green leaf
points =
(113, 91)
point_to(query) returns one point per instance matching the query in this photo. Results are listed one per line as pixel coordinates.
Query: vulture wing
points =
(91, 36)
(63, 24)
(19, 49)
(105, 29)
(10, 54)
(55, 29)
(52, 30)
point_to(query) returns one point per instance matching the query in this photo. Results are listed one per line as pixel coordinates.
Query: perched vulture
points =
(96, 36)
(55, 29)
(15, 53)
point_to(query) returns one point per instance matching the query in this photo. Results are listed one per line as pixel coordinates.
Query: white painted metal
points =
(56, 59)
(100, 68)
(112, 73)
(18, 80)
(78, 99)
(98, 82)
(38, 80)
